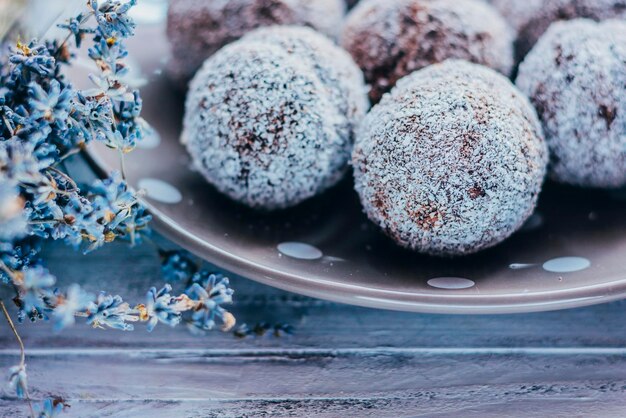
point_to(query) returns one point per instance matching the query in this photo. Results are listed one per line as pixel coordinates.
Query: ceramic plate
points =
(572, 252)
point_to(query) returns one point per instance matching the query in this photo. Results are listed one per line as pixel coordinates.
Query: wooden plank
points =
(602, 404)
(345, 327)
(324, 382)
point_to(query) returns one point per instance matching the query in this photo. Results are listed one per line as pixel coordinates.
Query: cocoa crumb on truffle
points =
(451, 161)
(390, 39)
(198, 28)
(576, 78)
(270, 119)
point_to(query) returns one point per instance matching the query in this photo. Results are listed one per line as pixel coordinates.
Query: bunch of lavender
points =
(44, 121)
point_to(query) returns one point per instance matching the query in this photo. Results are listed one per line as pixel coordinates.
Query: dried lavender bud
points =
(199, 28)
(270, 119)
(576, 78)
(451, 161)
(391, 39)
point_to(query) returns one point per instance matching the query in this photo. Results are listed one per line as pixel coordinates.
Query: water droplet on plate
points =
(566, 264)
(160, 191)
(331, 259)
(300, 250)
(451, 283)
(520, 266)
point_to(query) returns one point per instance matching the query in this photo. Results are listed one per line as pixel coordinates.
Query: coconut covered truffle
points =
(198, 28)
(576, 78)
(451, 161)
(532, 18)
(270, 119)
(390, 39)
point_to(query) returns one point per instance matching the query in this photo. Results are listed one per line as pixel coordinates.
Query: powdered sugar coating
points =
(576, 78)
(451, 161)
(270, 119)
(390, 39)
(199, 28)
(533, 17)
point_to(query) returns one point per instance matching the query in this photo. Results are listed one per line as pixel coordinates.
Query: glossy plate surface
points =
(572, 252)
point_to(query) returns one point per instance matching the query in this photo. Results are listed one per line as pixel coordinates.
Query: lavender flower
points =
(49, 408)
(76, 300)
(33, 57)
(18, 256)
(18, 380)
(108, 55)
(111, 311)
(53, 105)
(96, 113)
(75, 26)
(36, 284)
(210, 291)
(112, 17)
(161, 307)
(19, 163)
(108, 87)
(118, 207)
(13, 224)
(78, 222)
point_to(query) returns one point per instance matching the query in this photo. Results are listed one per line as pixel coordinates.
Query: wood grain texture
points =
(341, 360)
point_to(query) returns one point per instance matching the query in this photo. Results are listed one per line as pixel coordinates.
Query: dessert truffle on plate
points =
(270, 119)
(576, 78)
(390, 39)
(531, 18)
(451, 161)
(198, 28)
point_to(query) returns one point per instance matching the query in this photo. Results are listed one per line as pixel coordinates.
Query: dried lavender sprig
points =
(43, 121)
(17, 374)
(203, 300)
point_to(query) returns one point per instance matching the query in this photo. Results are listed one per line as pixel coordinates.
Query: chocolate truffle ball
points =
(198, 28)
(390, 39)
(451, 161)
(576, 78)
(531, 18)
(270, 119)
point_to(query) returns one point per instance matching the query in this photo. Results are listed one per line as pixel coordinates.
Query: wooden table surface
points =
(341, 360)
